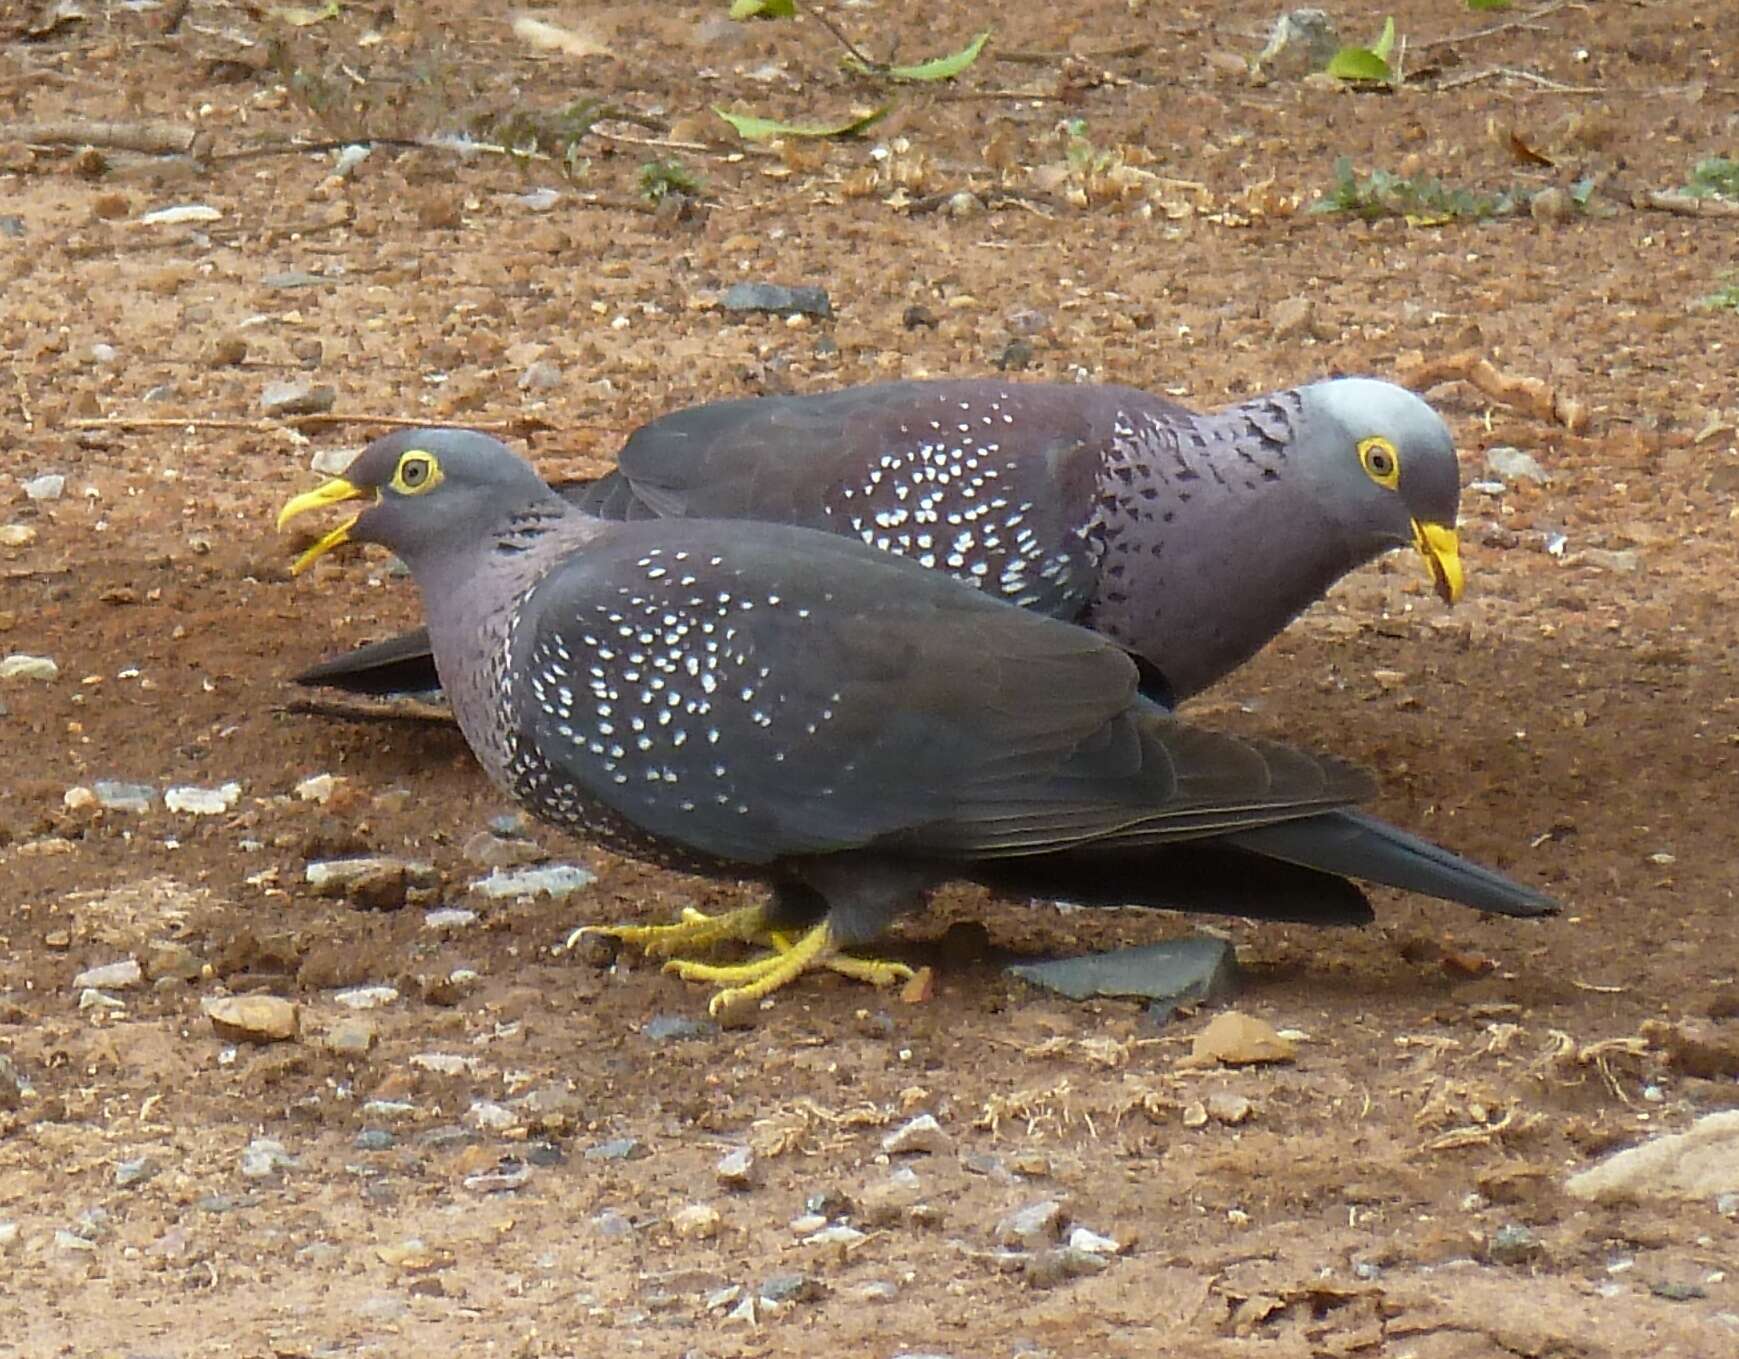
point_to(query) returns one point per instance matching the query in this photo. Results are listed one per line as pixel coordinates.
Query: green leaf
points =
(763, 9)
(1386, 43)
(939, 68)
(1487, 6)
(1359, 63)
(756, 129)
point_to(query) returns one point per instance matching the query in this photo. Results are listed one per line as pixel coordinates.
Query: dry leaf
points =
(548, 37)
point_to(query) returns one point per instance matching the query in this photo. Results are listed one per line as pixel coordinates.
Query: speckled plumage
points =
(758, 699)
(1190, 539)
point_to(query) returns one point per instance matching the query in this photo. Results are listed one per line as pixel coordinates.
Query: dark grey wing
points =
(755, 691)
(994, 482)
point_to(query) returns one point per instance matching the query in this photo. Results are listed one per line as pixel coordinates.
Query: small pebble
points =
(111, 976)
(1082, 1239)
(180, 214)
(555, 880)
(1031, 1227)
(367, 997)
(777, 298)
(510, 1175)
(264, 1158)
(1292, 317)
(1512, 465)
(673, 1028)
(137, 1171)
(8, 1235)
(923, 1135)
(49, 486)
(1050, 1268)
(449, 918)
(252, 1019)
(317, 788)
(21, 667)
(542, 376)
(395, 1109)
(375, 1139)
(350, 1038)
(297, 397)
(203, 801)
(331, 462)
(618, 1149)
(1512, 1244)
(124, 797)
(612, 1224)
(736, 1168)
(696, 1222)
(488, 1116)
(789, 1288)
(487, 850)
(17, 535)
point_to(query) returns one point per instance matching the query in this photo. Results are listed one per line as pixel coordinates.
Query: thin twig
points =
(371, 710)
(845, 42)
(148, 138)
(1520, 21)
(266, 426)
(23, 399)
(1515, 73)
(1134, 49)
(1688, 205)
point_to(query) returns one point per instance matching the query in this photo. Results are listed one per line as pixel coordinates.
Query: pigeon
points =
(1191, 540)
(751, 700)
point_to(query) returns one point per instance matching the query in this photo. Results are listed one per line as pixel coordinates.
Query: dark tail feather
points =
(399, 665)
(1360, 846)
(1209, 878)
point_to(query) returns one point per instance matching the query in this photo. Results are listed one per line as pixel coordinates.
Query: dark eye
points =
(1380, 461)
(414, 472)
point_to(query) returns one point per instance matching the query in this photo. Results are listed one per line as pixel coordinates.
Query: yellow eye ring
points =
(416, 473)
(1381, 462)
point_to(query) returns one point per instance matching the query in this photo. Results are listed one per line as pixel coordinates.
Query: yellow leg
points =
(696, 932)
(748, 982)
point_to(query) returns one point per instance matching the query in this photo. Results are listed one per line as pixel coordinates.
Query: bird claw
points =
(751, 981)
(695, 931)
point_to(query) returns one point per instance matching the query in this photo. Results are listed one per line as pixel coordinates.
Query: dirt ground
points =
(506, 1159)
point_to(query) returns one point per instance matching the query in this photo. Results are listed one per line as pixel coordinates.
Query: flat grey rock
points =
(1180, 971)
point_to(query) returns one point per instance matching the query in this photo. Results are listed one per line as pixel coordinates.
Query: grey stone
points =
(1050, 1268)
(777, 298)
(1512, 1244)
(923, 1135)
(1302, 41)
(124, 797)
(48, 486)
(375, 1139)
(1198, 969)
(779, 1288)
(136, 1171)
(119, 976)
(618, 1149)
(1700, 1163)
(1512, 465)
(1031, 1227)
(674, 1028)
(263, 1158)
(555, 880)
(297, 397)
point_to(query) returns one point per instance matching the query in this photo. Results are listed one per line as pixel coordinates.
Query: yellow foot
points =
(746, 983)
(696, 932)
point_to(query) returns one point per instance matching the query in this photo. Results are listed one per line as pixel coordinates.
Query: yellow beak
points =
(1441, 549)
(333, 492)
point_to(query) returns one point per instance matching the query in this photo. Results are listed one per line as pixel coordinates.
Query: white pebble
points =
(48, 486)
(557, 880)
(20, 666)
(367, 997)
(202, 801)
(113, 976)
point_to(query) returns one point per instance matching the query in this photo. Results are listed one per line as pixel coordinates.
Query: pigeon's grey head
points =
(430, 488)
(1383, 464)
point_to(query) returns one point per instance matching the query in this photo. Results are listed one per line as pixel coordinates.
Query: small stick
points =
(152, 139)
(1531, 395)
(1521, 21)
(371, 710)
(1689, 205)
(23, 399)
(266, 426)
